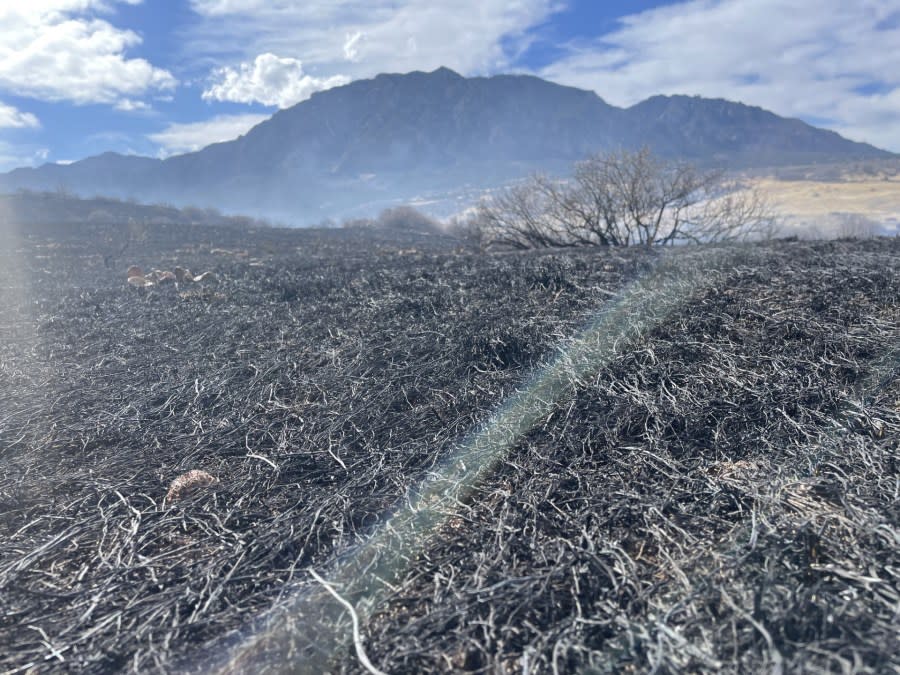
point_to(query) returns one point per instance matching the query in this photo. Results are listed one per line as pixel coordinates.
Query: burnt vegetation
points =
(28, 207)
(719, 495)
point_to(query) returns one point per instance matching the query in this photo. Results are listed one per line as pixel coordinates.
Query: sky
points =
(161, 77)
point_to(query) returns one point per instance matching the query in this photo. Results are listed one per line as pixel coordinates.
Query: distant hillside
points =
(723, 133)
(57, 208)
(356, 148)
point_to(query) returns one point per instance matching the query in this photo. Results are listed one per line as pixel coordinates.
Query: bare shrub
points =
(622, 199)
(357, 223)
(855, 226)
(397, 218)
(468, 227)
(407, 219)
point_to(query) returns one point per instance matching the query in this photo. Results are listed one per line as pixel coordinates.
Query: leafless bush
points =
(407, 218)
(357, 223)
(469, 227)
(398, 218)
(855, 226)
(622, 199)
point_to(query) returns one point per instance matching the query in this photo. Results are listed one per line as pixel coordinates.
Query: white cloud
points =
(836, 64)
(129, 105)
(469, 36)
(179, 138)
(270, 80)
(351, 46)
(47, 6)
(59, 50)
(14, 156)
(219, 7)
(12, 118)
(308, 9)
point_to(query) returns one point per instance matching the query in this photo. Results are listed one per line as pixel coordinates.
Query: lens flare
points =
(307, 626)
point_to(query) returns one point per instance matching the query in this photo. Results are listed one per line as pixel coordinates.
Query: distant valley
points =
(438, 140)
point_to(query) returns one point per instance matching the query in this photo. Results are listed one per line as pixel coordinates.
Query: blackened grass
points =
(716, 491)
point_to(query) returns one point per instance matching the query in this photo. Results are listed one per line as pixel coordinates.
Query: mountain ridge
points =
(398, 136)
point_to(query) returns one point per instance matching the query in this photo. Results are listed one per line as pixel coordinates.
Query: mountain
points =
(374, 142)
(723, 133)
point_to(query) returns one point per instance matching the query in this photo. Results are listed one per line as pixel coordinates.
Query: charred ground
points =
(721, 495)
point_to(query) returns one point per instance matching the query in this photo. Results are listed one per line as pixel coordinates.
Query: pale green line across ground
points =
(298, 635)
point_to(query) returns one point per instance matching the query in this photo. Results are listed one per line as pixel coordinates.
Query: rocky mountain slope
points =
(395, 137)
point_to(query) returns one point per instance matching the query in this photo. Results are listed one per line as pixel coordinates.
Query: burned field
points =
(717, 490)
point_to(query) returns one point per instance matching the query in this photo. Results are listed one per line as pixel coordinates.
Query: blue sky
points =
(159, 77)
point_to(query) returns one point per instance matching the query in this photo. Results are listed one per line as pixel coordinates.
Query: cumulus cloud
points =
(191, 136)
(12, 118)
(270, 80)
(837, 65)
(60, 50)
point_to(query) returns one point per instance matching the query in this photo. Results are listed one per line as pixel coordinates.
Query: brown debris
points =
(139, 282)
(188, 484)
(183, 274)
(165, 277)
(206, 277)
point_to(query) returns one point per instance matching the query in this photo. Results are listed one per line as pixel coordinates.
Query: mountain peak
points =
(446, 72)
(442, 74)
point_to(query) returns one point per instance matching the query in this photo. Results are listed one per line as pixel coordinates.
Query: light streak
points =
(304, 630)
